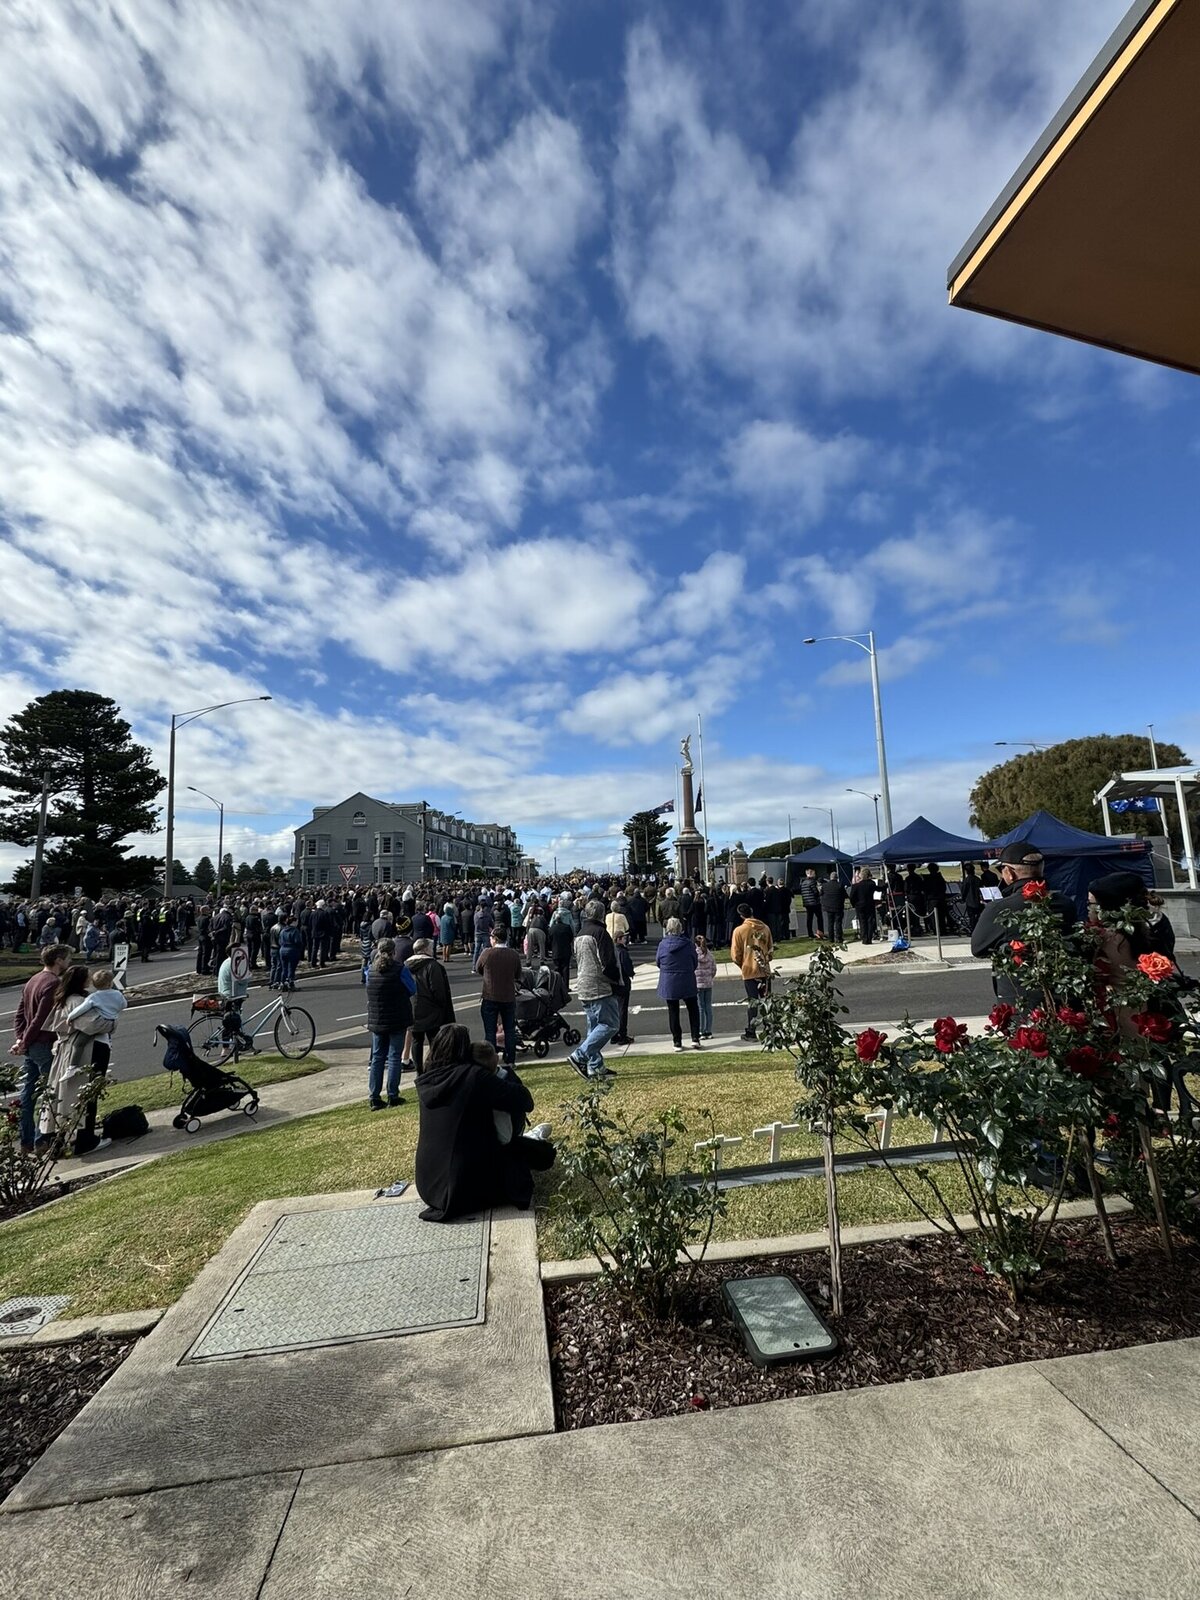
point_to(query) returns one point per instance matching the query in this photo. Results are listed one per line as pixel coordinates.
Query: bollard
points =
(937, 928)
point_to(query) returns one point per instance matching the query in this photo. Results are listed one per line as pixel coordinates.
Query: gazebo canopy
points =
(1163, 783)
(922, 841)
(1097, 234)
(1074, 858)
(821, 855)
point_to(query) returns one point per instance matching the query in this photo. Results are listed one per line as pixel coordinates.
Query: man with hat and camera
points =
(998, 926)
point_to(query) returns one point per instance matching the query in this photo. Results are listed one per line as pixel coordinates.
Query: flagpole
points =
(704, 809)
(678, 806)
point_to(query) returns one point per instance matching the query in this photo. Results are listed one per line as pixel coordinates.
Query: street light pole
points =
(880, 748)
(180, 719)
(35, 882)
(875, 798)
(828, 810)
(1153, 747)
(220, 805)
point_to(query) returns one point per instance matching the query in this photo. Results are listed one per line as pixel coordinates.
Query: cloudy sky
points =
(499, 385)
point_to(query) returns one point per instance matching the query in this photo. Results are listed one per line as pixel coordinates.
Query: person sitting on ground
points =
(461, 1166)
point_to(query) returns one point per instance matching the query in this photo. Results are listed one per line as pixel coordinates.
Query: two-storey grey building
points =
(363, 841)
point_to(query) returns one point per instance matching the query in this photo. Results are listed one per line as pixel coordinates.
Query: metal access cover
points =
(29, 1313)
(777, 1320)
(334, 1277)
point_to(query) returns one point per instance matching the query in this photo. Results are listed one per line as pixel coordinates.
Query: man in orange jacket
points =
(751, 949)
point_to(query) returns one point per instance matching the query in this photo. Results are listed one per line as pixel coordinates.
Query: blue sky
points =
(499, 385)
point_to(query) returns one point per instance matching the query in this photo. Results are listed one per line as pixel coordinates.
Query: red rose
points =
(1000, 1017)
(1085, 1061)
(948, 1034)
(1156, 967)
(1112, 1124)
(1035, 889)
(1077, 1021)
(1152, 1026)
(1031, 1039)
(869, 1043)
(1016, 949)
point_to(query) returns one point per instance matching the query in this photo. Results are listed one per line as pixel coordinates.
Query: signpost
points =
(239, 963)
(349, 873)
(120, 964)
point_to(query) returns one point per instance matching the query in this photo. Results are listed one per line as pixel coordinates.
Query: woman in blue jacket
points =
(677, 960)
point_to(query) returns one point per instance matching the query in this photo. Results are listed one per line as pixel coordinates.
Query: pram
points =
(540, 1000)
(210, 1089)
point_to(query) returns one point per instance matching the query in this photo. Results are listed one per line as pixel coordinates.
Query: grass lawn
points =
(140, 1240)
(167, 1089)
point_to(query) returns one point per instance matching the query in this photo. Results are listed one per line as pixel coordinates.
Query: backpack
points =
(126, 1122)
(762, 963)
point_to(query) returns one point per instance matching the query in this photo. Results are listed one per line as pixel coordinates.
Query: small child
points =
(109, 1003)
(484, 1055)
(706, 972)
(625, 965)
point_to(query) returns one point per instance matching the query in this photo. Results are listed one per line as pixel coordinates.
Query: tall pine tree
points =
(647, 833)
(101, 785)
(205, 874)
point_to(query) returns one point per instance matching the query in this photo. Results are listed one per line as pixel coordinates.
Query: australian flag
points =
(667, 805)
(1144, 802)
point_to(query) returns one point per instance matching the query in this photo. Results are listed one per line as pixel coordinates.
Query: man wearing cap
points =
(997, 922)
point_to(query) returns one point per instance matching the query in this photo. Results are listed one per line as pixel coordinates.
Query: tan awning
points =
(1097, 236)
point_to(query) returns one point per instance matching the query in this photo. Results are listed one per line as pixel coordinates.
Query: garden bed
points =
(42, 1390)
(915, 1308)
(56, 1189)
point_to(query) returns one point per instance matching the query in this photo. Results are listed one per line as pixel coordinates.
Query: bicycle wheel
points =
(295, 1032)
(209, 1041)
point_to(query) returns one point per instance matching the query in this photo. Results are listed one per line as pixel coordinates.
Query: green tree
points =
(647, 834)
(205, 874)
(228, 874)
(261, 870)
(278, 873)
(784, 847)
(1064, 779)
(101, 785)
(179, 873)
(244, 873)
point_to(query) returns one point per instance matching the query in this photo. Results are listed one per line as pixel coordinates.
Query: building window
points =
(310, 876)
(322, 844)
(322, 874)
(351, 847)
(385, 844)
(310, 847)
(387, 873)
(398, 845)
(359, 819)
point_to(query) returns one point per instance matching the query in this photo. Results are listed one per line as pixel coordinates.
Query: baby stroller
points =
(539, 1007)
(210, 1089)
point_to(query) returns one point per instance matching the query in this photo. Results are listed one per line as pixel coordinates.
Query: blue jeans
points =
(506, 1010)
(33, 1077)
(602, 1017)
(481, 943)
(288, 962)
(389, 1046)
(704, 996)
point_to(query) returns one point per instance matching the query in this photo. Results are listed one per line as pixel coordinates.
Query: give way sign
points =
(349, 873)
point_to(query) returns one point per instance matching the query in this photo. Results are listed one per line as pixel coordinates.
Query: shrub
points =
(624, 1204)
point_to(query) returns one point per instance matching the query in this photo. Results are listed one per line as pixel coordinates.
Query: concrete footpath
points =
(425, 1465)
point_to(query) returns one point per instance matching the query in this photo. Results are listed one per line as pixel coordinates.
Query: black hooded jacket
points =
(461, 1165)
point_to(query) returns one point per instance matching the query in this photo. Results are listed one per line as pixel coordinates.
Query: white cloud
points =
(781, 461)
(652, 707)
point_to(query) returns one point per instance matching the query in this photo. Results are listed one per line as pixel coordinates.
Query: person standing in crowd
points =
(535, 933)
(862, 899)
(483, 922)
(833, 907)
(254, 935)
(751, 950)
(447, 930)
(291, 947)
(433, 1001)
(222, 928)
(204, 947)
(677, 960)
(598, 984)
(997, 925)
(390, 988)
(706, 976)
(33, 1037)
(810, 897)
(625, 963)
(637, 912)
(972, 897)
(561, 937)
(937, 892)
(500, 968)
(616, 921)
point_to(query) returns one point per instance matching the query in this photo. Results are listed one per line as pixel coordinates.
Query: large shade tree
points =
(101, 789)
(1064, 779)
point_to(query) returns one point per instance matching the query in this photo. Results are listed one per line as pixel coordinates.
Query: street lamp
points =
(875, 798)
(828, 811)
(220, 805)
(855, 638)
(180, 719)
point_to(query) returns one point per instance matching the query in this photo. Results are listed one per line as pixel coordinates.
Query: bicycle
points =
(295, 1032)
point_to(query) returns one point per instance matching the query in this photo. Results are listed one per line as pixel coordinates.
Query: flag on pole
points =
(667, 805)
(700, 799)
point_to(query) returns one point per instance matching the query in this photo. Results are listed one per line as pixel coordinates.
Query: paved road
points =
(338, 1006)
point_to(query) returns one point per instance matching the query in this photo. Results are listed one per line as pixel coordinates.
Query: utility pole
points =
(35, 886)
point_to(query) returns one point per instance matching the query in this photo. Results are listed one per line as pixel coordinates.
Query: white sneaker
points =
(540, 1130)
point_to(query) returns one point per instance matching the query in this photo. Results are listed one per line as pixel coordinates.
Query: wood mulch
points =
(44, 1388)
(915, 1308)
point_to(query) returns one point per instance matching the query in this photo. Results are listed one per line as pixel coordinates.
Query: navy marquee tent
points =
(920, 842)
(821, 855)
(1075, 859)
